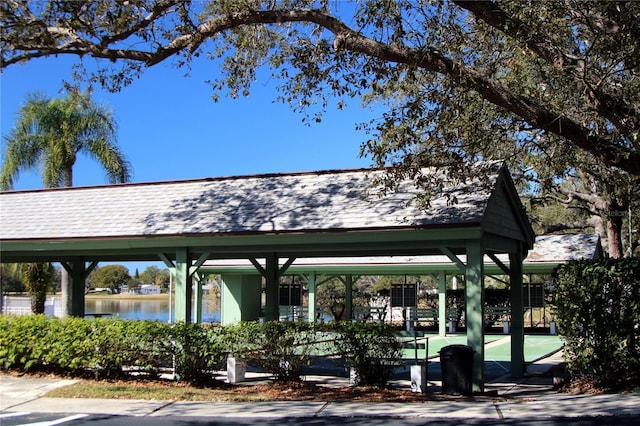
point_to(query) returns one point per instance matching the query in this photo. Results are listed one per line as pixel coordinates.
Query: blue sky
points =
(170, 129)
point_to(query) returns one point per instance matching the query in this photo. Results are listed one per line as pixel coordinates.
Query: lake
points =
(131, 308)
(149, 309)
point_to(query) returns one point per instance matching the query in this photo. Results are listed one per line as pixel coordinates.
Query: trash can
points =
(456, 363)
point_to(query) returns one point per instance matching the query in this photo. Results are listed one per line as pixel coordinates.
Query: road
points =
(43, 419)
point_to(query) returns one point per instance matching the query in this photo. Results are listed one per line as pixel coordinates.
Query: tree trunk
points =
(38, 299)
(66, 287)
(68, 176)
(614, 234)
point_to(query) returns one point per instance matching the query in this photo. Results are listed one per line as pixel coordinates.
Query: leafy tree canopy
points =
(551, 86)
(567, 69)
(112, 277)
(154, 275)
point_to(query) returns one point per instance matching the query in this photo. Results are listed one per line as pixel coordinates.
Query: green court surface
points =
(497, 346)
(497, 351)
(535, 347)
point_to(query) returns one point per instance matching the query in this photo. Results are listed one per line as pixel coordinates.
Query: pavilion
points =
(270, 221)
(548, 252)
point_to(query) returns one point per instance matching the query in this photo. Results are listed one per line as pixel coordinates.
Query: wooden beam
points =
(258, 266)
(455, 259)
(498, 262)
(168, 262)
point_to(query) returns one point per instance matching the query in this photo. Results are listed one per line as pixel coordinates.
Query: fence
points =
(20, 305)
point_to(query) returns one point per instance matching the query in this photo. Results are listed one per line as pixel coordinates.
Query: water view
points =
(130, 308)
(151, 310)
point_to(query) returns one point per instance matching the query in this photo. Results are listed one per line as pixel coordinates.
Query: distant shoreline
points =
(121, 296)
(126, 296)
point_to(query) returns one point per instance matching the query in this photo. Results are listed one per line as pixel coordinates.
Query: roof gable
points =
(505, 215)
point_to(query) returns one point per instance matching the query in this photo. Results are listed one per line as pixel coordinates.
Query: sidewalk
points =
(531, 398)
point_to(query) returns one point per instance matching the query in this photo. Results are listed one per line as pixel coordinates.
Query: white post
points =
(409, 320)
(236, 370)
(419, 378)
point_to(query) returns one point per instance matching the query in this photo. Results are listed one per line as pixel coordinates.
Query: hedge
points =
(110, 348)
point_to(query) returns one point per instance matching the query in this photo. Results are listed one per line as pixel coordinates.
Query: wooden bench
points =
(424, 315)
(370, 313)
(496, 314)
(418, 315)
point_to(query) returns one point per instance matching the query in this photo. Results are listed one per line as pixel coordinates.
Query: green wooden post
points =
(199, 278)
(474, 289)
(73, 301)
(348, 297)
(78, 276)
(311, 281)
(517, 315)
(272, 284)
(183, 287)
(442, 303)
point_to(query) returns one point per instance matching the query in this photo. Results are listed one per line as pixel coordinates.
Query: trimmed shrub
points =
(107, 347)
(372, 350)
(20, 338)
(279, 348)
(285, 349)
(598, 314)
(197, 351)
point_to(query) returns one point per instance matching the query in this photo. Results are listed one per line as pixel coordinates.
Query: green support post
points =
(272, 286)
(73, 300)
(183, 287)
(474, 289)
(442, 303)
(312, 281)
(517, 315)
(348, 297)
(199, 278)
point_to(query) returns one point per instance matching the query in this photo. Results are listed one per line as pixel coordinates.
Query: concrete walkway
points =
(531, 398)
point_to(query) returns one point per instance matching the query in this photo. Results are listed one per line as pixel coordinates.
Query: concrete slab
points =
(428, 409)
(17, 390)
(275, 409)
(127, 407)
(560, 405)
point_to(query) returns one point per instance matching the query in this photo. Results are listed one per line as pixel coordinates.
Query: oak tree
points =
(550, 86)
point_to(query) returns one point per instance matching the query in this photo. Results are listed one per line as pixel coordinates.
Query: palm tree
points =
(49, 133)
(37, 277)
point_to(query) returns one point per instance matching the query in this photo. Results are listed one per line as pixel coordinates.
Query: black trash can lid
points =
(451, 349)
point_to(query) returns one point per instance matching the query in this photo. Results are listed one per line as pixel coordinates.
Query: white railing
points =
(20, 305)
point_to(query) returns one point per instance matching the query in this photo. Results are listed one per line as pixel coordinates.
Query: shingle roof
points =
(563, 248)
(336, 200)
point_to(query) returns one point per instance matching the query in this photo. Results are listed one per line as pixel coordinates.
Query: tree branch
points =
(610, 153)
(614, 108)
